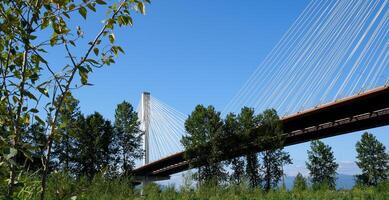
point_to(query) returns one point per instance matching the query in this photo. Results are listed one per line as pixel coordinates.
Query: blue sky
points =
(201, 52)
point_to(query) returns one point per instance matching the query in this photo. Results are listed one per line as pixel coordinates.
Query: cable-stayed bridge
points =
(328, 75)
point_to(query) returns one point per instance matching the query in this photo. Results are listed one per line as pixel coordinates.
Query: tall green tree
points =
(372, 160)
(231, 129)
(35, 138)
(31, 28)
(128, 136)
(321, 165)
(203, 128)
(95, 150)
(248, 121)
(272, 171)
(64, 148)
(300, 183)
(273, 158)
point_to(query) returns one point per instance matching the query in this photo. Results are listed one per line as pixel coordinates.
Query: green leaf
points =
(101, 2)
(72, 43)
(34, 110)
(83, 72)
(141, 7)
(11, 154)
(91, 6)
(15, 99)
(120, 49)
(26, 119)
(33, 37)
(43, 91)
(66, 15)
(37, 118)
(111, 38)
(45, 23)
(30, 95)
(71, 6)
(53, 39)
(91, 61)
(110, 23)
(82, 12)
(96, 51)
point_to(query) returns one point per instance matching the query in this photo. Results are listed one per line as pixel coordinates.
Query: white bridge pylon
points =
(163, 128)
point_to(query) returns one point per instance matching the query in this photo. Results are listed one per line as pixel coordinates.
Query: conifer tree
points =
(372, 160)
(231, 130)
(127, 136)
(300, 183)
(64, 147)
(95, 150)
(203, 127)
(321, 165)
(274, 158)
(273, 162)
(247, 122)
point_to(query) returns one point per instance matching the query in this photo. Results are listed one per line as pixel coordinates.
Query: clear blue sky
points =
(200, 52)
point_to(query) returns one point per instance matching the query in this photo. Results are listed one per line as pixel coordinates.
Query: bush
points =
(64, 186)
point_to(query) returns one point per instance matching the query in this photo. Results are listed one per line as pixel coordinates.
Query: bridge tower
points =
(146, 120)
(146, 117)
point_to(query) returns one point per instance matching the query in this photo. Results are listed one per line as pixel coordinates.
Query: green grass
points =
(62, 186)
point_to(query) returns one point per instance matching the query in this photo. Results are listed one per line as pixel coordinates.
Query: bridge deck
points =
(363, 111)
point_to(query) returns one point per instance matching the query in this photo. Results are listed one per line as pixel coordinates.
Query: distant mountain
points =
(343, 181)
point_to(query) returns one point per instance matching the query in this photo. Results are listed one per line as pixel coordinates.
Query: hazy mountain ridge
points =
(343, 181)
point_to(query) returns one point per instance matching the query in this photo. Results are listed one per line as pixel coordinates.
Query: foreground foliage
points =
(61, 186)
(33, 86)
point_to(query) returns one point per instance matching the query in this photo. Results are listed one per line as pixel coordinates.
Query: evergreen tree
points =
(273, 162)
(247, 122)
(372, 160)
(300, 183)
(231, 130)
(204, 127)
(94, 144)
(64, 148)
(321, 164)
(128, 136)
(274, 158)
(37, 139)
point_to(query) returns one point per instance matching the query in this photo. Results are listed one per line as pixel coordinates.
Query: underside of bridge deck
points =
(360, 112)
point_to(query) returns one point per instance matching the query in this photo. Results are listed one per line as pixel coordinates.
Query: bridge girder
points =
(360, 112)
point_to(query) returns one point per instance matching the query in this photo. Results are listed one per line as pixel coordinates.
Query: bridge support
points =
(146, 120)
(144, 180)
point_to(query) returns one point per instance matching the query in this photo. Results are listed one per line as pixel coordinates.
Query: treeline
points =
(213, 143)
(84, 145)
(224, 151)
(240, 155)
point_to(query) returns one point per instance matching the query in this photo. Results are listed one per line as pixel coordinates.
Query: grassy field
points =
(64, 187)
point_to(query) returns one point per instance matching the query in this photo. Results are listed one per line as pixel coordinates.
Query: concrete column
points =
(146, 120)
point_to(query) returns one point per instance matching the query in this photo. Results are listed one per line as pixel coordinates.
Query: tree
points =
(35, 136)
(273, 162)
(300, 183)
(321, 165)
(372, 160)
(94, 145)
(28, 78)
(203, 127)
(29, 156)
(231, 130)
(64, 148)
(247, 122)
(128, 136)
(274, 158)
